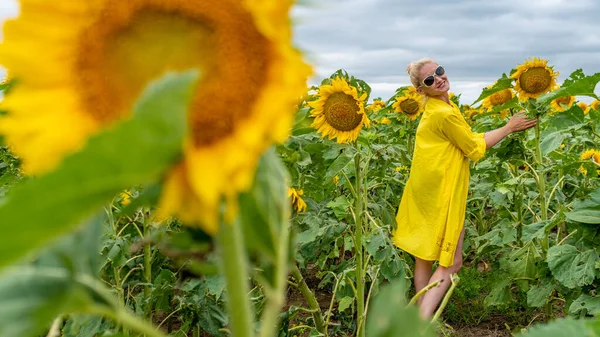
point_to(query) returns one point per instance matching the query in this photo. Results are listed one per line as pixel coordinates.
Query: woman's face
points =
(440, 85)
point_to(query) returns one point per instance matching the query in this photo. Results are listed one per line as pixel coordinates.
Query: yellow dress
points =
(432, 210)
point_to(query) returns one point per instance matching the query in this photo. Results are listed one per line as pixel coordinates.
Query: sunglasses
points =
(429, 80)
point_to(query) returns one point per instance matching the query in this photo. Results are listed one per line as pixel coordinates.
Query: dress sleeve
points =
(472, 144)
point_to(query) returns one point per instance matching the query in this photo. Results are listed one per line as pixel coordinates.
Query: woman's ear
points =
(420, 91)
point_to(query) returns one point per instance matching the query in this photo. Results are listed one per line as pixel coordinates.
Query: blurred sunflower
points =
(297, 201)
(595, 105)
(562, 103)
(125, 197)
(591, 153)
(497, 99)
(338, 111)
(534, 78)
(584, 107)
(82, 64)
(385, 120)
(410, 104)
(470, 112)
(377, 105)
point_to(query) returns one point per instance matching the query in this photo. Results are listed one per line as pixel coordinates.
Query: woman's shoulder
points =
(440, 109)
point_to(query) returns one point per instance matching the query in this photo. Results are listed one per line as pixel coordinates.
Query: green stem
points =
(541, 182)
(409, 138)
(276, 297)
(360, 279)
(454, 279)
(519, 207)
(423, 291)
(126, 319)
(147, 267)
(310, 298)
(120, 293)
(234, 267)
(542, 198)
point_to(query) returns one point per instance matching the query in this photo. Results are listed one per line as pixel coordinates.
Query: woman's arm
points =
(518, 122)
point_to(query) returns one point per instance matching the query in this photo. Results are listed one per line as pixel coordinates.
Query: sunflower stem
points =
(310, 298)
(541, 178)
(358, 246)
(147, 266)
(519, 207)
(234, 267)
(126, 319)
(276, 298)
(542, 198)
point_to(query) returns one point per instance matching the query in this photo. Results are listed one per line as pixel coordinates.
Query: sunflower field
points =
(193, 184)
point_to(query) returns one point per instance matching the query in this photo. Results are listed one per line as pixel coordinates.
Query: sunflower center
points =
(500, 97)
(564, 100)
(341, 112)
(410, 106)
(134, 42)
(535, 80)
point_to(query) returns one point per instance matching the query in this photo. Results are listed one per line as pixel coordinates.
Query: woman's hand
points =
(519, 122)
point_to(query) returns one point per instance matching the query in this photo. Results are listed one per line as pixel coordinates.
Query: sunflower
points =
(385, 120)
(377, 105)
(595, 105)
(534, 78)
(338, 111)
(497, 99)
(591, 153)
(470, 112)
(409, 104)
(562, 103)
(297, 202)
(125, 197)
(82, 64)
(584, 107)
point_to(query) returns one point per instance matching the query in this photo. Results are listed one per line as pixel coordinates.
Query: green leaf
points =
(265, 208)
(565, 328)
(570, 119)
(500, 294)
(552, 142)
(503, 83)
(522, 262)
(513, 103)
(537, 296)
(585, 215)
(390, 317)
(136, 151)
(339, 164)
(345, 303)
(576, 85)
(33, 296)
(586, 304)
(85, 326)
(340, 206)
(571, 267)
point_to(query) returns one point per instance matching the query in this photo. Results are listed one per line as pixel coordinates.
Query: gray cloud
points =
(475, 40)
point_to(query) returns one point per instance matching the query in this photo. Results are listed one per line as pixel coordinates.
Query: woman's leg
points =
(432, 298)
(422, 275)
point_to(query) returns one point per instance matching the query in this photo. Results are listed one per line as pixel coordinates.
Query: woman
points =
(432, 211)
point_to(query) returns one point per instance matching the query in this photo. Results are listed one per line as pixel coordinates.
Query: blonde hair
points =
(414, 70)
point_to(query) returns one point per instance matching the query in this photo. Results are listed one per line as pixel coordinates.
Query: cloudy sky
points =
(475, 40)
